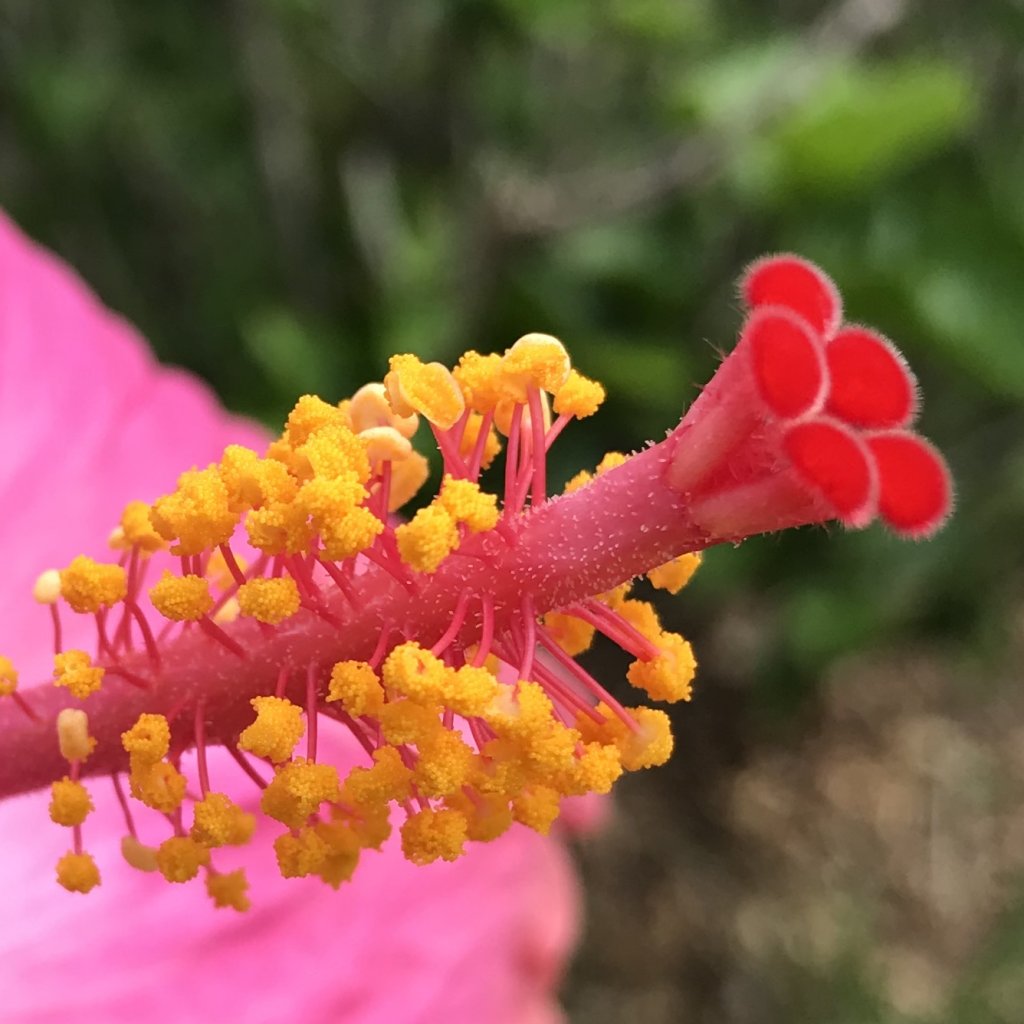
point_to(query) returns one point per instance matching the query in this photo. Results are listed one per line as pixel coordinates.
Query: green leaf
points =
(866, 123)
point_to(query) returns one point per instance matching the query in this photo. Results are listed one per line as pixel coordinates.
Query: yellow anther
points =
(160, 785)
(402, 721)
(75, 670)
(328, 499)
(279, 529)
(77, 872)
(179, 858)
(469, 691)
(614, 598)
(668, 676)
(596, 770)
(579, 396)
(46, 589)
(297, 791)
(181, 598)
(643, 617)
(302, 854)
(414, 672)
(445, 764)
(674, 575)
(581, 479)
(8, 677)
(136, 530)
(431, 835)
(218, 821)
(138, 855)
(385, 444)
(70, 802)
(253, 482)
(228, 889)
(407, 477)
(73, 734)
(148, 740)
(332, 452)
(467, 444)
(481, 379)
(269, 600)
(501, 771)
(343, 848)
(370, 408)
(428, 539)
(536, 360)
(278, 727)
(88, 586)
(198, 514)
(487, 817)
(426, 388)
(310, 415)
(612, 460)
(574, 635)
(388, 779)
(357, 687)
(466, 503)
(537, 807)
(354, 532)
(651, 744)
(372, 827)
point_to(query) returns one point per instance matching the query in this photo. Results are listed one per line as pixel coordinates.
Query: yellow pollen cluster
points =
(70, 802)
(574, 635)
(667, 677)
(536, 360)
(674, 575)
(182, 598)
(88, 586)
(197, 515)
(414, 672)
(228, 889)
(356, 686)
(466, 503)
(218, 821)
(275, 732)
(8, 677)
(269, 600)
(297, 791)
(157, 783)
(579, 396)
(428, 538)
(148, 739)
(427, 388)
(136, 531)
(179, 858)
(75, 671)
(77, 872)
(430, 835)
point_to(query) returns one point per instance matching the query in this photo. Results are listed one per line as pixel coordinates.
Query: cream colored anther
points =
(73, 734)
(369, 407)
(46, 589)
(385, 444)
(138, 855)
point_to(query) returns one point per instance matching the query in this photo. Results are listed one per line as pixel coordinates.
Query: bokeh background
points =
(281, 193)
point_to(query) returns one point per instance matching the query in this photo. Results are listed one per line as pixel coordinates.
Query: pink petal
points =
(90, 422)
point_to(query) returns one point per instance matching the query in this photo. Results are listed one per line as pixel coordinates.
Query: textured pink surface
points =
(88, 422)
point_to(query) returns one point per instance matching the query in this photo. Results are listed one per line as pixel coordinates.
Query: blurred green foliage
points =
(281, 193)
